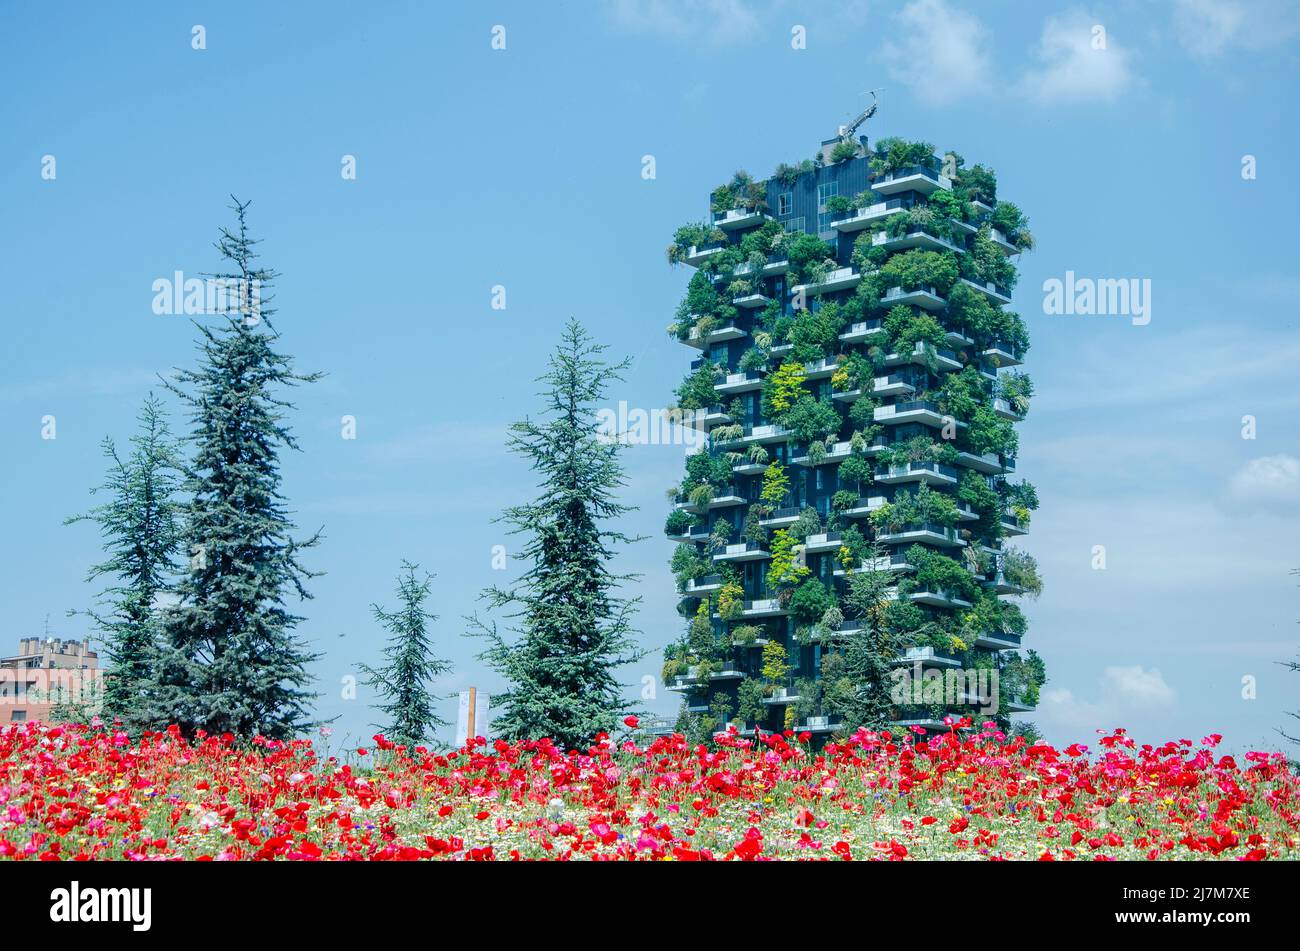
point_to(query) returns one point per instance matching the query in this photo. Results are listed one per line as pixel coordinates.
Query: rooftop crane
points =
(846, 132)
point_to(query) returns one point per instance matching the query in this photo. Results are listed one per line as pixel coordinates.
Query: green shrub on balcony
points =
(811, 419)
(989, 432)
(938, 572)
(916, 268)
(696, 391)
(679, 522)
(893, 153)
(977, 183)
(1021, 569)
(1011, 221)
(905, 328)
(784, 570)
(1016, 388)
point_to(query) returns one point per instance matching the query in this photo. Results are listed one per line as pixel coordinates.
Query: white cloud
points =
(1124, 694)
(1079, 62)
(942, 56)
(711, 22)
(1209, 28)
(1266, 482)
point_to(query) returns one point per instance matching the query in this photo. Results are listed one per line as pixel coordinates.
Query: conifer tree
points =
(861, 691)
(230, 661)
(403, 679)
(571, 628)
(139, 525)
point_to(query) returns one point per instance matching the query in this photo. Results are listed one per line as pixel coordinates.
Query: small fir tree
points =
(403, 680)
(140, 529)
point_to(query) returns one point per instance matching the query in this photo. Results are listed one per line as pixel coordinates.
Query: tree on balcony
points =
(571, 630)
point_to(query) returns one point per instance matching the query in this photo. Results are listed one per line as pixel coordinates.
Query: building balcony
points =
(752, 301)
(818, 725)
(738, 219)
(822, 543)
(1004, 409)
(926, 298)
(915, 178)
(704, 419)
(743, 551)
(750, 468)
(892, 385)
(956, 338)
(931, 473)
(965, 513)
(925, 412)
(1013, 526)
(995, 294)
(767, 433)
(988, 463)
(702, 587)
(1017, 704)
(761, 608)
(922, 353)
(698, 254)
(719, 333)
(835, 452)
(864, 506)
(776, 264)
(781, 518)
(840, 279)
(820, 369)
(742, 382)
(1002, 586)
(863, 331)
(927, 533)
(691, 680)
(894, 561)
(1002, 355)
(782, 696)
(781, 349)
(927, 657)
(725, 497)
(917, 238)
(696, 536)
(998, 641)
(998, 238)
(939, 599)
(862, 218)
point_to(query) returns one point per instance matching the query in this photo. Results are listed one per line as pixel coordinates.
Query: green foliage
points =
(139, 526)
(749, 700)
(939, 573)
(921, 269)
(776, 485)
(409, 665)
(572, 631)
(857, 472)
(781, 388)
(1021, 569)
(784, 570)
(229, 660)
(843, 151)
(810, 418)
(810, 601)
(776, 666)
(696, 391)
(905, 328)
(893, 153)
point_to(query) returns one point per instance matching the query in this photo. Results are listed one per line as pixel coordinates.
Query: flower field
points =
(88, 792)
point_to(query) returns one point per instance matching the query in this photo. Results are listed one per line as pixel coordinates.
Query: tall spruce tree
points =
(230, 661)
(403, 680)
(140, 530)
(571, 630)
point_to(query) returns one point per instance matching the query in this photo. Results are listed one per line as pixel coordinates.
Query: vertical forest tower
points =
(851, 513)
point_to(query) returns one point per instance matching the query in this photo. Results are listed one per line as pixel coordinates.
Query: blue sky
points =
(522, 167)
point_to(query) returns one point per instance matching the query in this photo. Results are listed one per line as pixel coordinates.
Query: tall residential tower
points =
(848, 520)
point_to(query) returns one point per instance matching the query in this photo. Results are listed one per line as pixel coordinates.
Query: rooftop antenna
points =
(846, 131)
